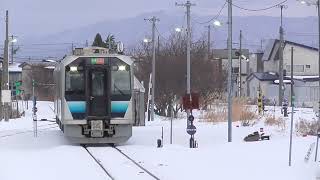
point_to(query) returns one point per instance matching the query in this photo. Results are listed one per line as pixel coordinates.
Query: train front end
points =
(93, 103)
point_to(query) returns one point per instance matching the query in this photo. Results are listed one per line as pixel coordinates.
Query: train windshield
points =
(74, 82)
(120, 81)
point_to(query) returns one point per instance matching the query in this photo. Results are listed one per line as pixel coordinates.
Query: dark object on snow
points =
(265, 137)
(256, 137)
(159, 143)
(252, 137)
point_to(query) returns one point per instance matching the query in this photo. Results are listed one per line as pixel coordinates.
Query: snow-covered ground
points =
(51, 156)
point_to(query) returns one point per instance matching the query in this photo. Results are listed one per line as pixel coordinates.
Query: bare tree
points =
(171, 72)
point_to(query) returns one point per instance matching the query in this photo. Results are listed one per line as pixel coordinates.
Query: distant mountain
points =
(132, 30)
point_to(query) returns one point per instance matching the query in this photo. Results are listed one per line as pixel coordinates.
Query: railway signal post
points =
(34, 111)
(259, 101)
(190, 102)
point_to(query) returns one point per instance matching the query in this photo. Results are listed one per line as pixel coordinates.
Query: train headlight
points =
(122, 68)
(73, 68)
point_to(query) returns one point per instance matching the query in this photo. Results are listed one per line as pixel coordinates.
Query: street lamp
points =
(146, 40)
(217, 23)
(178, 30)
(317, 4)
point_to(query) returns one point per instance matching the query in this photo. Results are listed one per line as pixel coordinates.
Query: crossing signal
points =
(18, 85)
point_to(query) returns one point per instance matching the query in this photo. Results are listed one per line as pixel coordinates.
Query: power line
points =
(262, 9)
(215, 17)
(161, 34)
(48, 44)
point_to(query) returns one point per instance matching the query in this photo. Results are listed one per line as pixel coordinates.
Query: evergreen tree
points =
(98, 41)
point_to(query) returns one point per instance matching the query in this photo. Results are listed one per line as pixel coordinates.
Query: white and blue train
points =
(94, 97)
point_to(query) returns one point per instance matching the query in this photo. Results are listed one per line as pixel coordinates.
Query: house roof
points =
(270, 76)
(273, 46)
(37, 63)
(265, 76)
(13, 67)
(305, 78)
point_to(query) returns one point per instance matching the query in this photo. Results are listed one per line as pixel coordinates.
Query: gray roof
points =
(272, 48)
(265, 76)
(37, 63)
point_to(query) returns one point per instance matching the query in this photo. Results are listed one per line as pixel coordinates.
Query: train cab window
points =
(120, 80)
(74, 82)
(97, 83)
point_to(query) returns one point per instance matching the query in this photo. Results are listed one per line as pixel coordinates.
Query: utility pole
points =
(281, 58)
(188, 6)
(72, 47)
(153, 20)
(292, 106)
(240, 64)
(209, 41)
(5, 74)
(158, 48)
(229, 70)
(318, 125)
(12, 50)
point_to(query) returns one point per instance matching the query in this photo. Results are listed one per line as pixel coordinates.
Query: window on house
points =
(235, 69)
(296, 68)
(308, 66)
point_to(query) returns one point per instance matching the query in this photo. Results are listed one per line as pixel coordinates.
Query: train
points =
(93, 101)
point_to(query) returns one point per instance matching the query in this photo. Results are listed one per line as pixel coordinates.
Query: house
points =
(42, 74)
(305, 71)
(305, 58)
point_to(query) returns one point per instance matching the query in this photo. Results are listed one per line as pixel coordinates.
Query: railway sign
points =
(191, 129)
(5, 96)
(190, 101)
(190, 118)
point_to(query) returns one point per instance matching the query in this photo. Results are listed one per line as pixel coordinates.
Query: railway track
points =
(98, 162)
(138, 169)
(137, 164)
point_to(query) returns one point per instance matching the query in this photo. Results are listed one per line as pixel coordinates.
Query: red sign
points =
(100, 60)
(191, 102)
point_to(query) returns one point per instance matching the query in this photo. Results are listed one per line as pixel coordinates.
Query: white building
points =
(305, 71)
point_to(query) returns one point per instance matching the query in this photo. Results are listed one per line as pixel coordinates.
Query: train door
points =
(99, 93)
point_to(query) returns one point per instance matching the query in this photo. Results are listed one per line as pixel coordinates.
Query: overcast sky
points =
(41, 17)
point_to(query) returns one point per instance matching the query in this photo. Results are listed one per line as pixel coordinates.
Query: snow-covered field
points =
(51, 157)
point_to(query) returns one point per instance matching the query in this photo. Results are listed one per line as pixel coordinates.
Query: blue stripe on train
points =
(80, 106)
(77, 106)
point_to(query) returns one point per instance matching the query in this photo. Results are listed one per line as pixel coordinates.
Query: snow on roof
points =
(284, 81)
(265, 76)
(15, 67)
(303, 77)
(49, 67)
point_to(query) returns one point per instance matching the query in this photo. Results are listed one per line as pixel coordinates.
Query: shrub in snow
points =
(240, 112)
(273, 121)
(305, 127)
